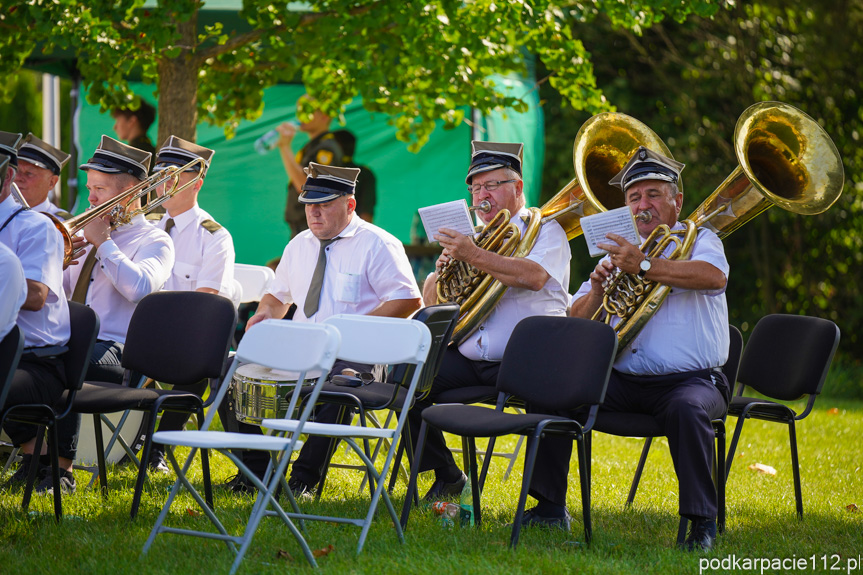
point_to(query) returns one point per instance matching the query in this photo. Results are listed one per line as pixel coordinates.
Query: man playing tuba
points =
(671, 369)
(537, 285)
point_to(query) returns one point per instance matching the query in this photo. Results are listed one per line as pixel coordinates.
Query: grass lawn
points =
(96, 535)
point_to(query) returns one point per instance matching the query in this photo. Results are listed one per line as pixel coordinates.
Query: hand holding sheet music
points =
(452, 215)
(619, 221)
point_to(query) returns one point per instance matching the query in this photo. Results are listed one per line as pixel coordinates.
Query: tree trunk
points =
(178, 87)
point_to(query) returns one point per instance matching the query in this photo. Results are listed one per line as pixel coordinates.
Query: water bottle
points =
(267, 142)
(466, 504)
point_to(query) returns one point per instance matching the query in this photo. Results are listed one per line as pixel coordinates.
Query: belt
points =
(44, 352)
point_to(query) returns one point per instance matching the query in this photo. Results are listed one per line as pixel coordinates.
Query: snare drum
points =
(260, 392)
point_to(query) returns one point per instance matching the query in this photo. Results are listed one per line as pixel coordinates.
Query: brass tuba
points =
(118, 207)
(602, 147)
(785, 159)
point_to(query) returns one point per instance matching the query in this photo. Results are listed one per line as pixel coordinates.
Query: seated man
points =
(671, 370)
(39, 167)
(43, 317)
(537, 286)
(204, 252)
(341, 264)
(120, 267)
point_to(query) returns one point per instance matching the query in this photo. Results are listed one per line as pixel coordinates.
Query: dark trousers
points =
(313, 455)
(684, 405)
(36, 380)
(455, 372)
(105, 365)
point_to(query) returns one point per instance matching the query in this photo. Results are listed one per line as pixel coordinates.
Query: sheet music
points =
(453, 215)
(619, 221)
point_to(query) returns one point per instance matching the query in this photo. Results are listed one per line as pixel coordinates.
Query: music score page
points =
(619, 221)
(453, 215)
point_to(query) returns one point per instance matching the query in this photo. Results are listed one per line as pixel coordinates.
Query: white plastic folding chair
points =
(375, 340)
(307, 349)
(254, 280)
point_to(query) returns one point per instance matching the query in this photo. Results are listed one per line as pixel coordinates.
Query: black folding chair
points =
(643, 425)
(178, 338)
(84, 328)
(537, 367)
(787, 357)
(377, 396)
(11, 347)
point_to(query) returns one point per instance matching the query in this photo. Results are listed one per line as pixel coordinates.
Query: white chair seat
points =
(329, 429)
(224, 440)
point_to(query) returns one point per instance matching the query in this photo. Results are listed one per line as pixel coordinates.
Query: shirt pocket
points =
(185, 276)
(348, 288)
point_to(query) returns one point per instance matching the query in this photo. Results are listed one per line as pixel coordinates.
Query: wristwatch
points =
(644, 267)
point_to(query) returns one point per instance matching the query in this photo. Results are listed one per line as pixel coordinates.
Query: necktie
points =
(313, 297)
(169, 225)
(79, 295)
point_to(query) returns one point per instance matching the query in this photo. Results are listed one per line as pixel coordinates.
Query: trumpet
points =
(119, 207)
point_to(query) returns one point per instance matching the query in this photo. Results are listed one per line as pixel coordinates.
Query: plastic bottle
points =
(267, 142)
(448, 512)
(466, 505)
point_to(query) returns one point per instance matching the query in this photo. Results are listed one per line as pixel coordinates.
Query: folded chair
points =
(376, 396)
(175, 337)
(308, 349)
(644, 425)
(537, 367)
(787, 357)
(84, 325)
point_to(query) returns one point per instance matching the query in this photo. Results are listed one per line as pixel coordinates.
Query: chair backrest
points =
(441, 320)
(558, 363)
(84, 330)
(180, 337)
(254, 280)
(306, 348)
(11, 347)
(735, 350)
(381, 340)
(788, 356)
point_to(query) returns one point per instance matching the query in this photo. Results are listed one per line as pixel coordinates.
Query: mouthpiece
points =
(644, 216)
(484, 207)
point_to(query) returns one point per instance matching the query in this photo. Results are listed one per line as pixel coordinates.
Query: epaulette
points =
(211, 226)
(63, 214)
(154, 216)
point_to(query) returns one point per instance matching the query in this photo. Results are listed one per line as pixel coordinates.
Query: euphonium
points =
(785, 159)
(118, 207)
(602, 147)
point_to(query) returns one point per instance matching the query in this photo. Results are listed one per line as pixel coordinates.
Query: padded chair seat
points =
(478, 421)
(627, 424)
(372, 396)
(103, 397)
(765, 408)
(472, 394)
(224, 440)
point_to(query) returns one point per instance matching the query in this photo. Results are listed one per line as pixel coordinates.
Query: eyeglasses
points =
(489, 186)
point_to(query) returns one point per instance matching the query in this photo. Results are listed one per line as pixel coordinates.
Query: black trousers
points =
(684, 404)
(455, 372)
(313, 455)
(36, 380)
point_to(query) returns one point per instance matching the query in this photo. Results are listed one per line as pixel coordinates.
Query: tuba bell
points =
(785, 159)
(602, 147)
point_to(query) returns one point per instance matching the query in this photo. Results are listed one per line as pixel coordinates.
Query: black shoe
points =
(239, 483)
(533, 519)
(19, 478)
(157, 463)
(300, 488)
(702, 535)
(440, 489)
(67, 484)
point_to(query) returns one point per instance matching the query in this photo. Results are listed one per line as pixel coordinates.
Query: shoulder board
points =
(211, 226)
(328, 136)
(154, 217)
(63, 214)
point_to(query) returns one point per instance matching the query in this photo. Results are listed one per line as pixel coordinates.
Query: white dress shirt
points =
(39, 247)
(689, 331)
(551, 251)
(365, 268)
(135, 262)
(50, 208)
(13, 289)
(203, 259)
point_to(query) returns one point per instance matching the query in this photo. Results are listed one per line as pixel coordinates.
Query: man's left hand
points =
(623, 254)
(457, 246)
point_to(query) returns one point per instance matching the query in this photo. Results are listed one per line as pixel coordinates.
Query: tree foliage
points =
(690, 82)
(417, 62)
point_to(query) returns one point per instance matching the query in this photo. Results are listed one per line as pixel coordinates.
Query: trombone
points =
(119, 209)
